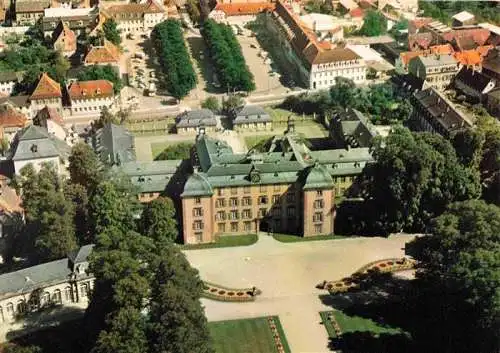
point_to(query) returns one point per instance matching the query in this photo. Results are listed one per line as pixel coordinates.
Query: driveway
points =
(287, 274)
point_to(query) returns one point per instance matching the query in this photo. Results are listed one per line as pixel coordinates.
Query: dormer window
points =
(34, 148)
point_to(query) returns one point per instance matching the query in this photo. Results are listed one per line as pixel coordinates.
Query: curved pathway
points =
(287, 274)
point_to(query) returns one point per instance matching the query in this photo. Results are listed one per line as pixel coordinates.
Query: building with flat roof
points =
(438, 70)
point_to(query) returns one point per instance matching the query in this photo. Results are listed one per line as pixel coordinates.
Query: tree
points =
(79, 197)
(231, 104)
(101, 72)
(111, 31)
(211, 103)
(375, 24)
(193, 10)
(84, 166)
(60, 68)
(414, 178)
(178, 151)
(460, 261)
(343, 94)
(168, 40)
(13, 348)
(158, 220)
(178, 323)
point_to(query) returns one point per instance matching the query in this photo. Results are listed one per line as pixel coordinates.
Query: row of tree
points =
(180, 77)
(225, 51)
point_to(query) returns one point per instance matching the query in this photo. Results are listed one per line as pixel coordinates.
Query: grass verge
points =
(289, 238)
(252, 141)
(225, 241)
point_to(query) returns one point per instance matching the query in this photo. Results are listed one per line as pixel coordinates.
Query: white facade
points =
(6, 88)
(323, 75)
(135, 26)
(39, 104)
(38, 162)
(90, 106)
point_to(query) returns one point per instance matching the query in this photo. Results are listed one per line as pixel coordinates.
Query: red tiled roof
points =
(473, 57)
(418, 23)
(64, 38)
(46, 88)
(105, 54)
(251, 8)
(90, 89)
(436, 49)
(10, 117)
(357, 12)
(134, 8)
(420, 41)
(478, 35)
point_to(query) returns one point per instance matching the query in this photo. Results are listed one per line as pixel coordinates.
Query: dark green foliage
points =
(101, 72)
(485, 11)
(178, 151)
(180, 77)
(78, 196)
(211, 103)
(158, 220)
(84, 166)
(414, 177)
(375, 24)
(111, 31)
(13, 348)
(225, 51)
(178, 323)
(231, 104)
(459, 278)
(319, 6)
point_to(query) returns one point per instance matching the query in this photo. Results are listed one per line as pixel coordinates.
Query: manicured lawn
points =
(245, 336)
(225, 241)
(355, 324)
(278, 114)
(289, 238)
(252, 141)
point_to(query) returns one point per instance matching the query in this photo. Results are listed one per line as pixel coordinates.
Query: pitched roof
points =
(436, 49)
(31, 6)
(10, 76)
(357, 12)
(196, 118)
(473, 57)
(10, 117)
(34, 142)
(197, 185)
(90, 89)
(106, 53)
(478, 35)
(46, 88)
(114, 144)
(48, 113)
(239, 9)
(437, 59)
(65, 36)
(463, 16)
(80, 255)
(251, 114)
(473, 79)
(16, 101)
(125, 11)
(492, 60)
(420, 40)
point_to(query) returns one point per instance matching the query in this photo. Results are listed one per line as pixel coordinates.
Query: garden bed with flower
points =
(263, 335)
(224, 294)
(380, 266)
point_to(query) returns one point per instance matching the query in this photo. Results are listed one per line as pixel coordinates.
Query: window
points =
(290, 211)
(220, 216)
(67, 294)
(2, 319)
(220, 203)
(246, 189)
(318, 217)
(318, 204)
(220, 192)
(56, 297)
(84, 289)
(45, 300)
(277, 187)
(221, 227)
(318, 228)
(262, 212)
(234, 190)
(10, 309)
(263, 200)
(233, 201)
(197, 225)
(319, 193)
(197, 212)
(199, 237)
(263, 188)
(233, 214)
(276, 199)
(247, 201)
(246, 214)
(234, 226)
(342, 179)
(290, 197)
(247, 226)
(277, 224)
(197, 200)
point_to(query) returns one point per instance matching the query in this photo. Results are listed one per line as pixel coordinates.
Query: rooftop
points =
(250, 114)
(473, 79)
(10, 117)
(239, 9)
(463, 16)
(59, 12)
(114, 144)
(437, 60)
(46, 88)
(104, 54)
(196, 118)
(90, 89)
(34, 142)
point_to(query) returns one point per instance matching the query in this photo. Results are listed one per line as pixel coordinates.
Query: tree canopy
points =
(101, 72)
(180, 150)
(211, 103)
(374, 24)
(226, 55)
(180, 77)
(158, 220)
(111, 31)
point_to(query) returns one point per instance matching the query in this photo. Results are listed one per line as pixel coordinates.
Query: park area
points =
(259, 335)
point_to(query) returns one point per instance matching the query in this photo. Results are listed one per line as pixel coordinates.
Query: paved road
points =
(287, 274)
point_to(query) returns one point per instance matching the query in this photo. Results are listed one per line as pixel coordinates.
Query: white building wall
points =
(90, 106)
(37, 164)
(6, 88)
(323, 76)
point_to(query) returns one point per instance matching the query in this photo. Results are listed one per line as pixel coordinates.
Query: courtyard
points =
(287, 274)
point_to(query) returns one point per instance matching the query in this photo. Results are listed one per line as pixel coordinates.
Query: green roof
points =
(197, 185)
(318, 178)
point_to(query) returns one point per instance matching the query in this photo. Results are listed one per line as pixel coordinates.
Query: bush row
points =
(225, 51)
(220, 293)
(174, 58)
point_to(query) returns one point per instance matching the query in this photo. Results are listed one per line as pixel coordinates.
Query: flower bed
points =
(220, 293)
(281, 347)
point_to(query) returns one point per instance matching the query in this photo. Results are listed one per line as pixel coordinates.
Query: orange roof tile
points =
(10, 117)
(473, 57)
(46, 88)
(357, 12)
(236, 9)
(105, 54)
(90, 89)
(64, 38)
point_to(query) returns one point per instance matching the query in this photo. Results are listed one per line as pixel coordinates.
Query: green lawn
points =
(225, 241)
(289, 238)
(355, 324)
(159, 147)
(278, 114)
(252, 141)
(245, 336)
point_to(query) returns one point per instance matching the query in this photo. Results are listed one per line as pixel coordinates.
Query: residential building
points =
(404, 58)
(60, 283)
(473, 58)
(421, 41)
(46, 93)
(35, 145)
(11, 217)
(349, 128)
(105, 54)
(190, 122)
(80, 20)
(20, 104)
(11, 121)
(492, 102)
(326, 27)
(438, 70)
(136, 17)
(316, 63)
(408, 84)
(8, 80)
(434, 113)
(90, 97)
(473, 84)
(418, 23)
(28, 12)
(114, 144)
(462, 38)
(494, 38)
(252, 117)
(64, 40)
(463, 18)
(51, 120)
(491, 64)
(242, 12)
